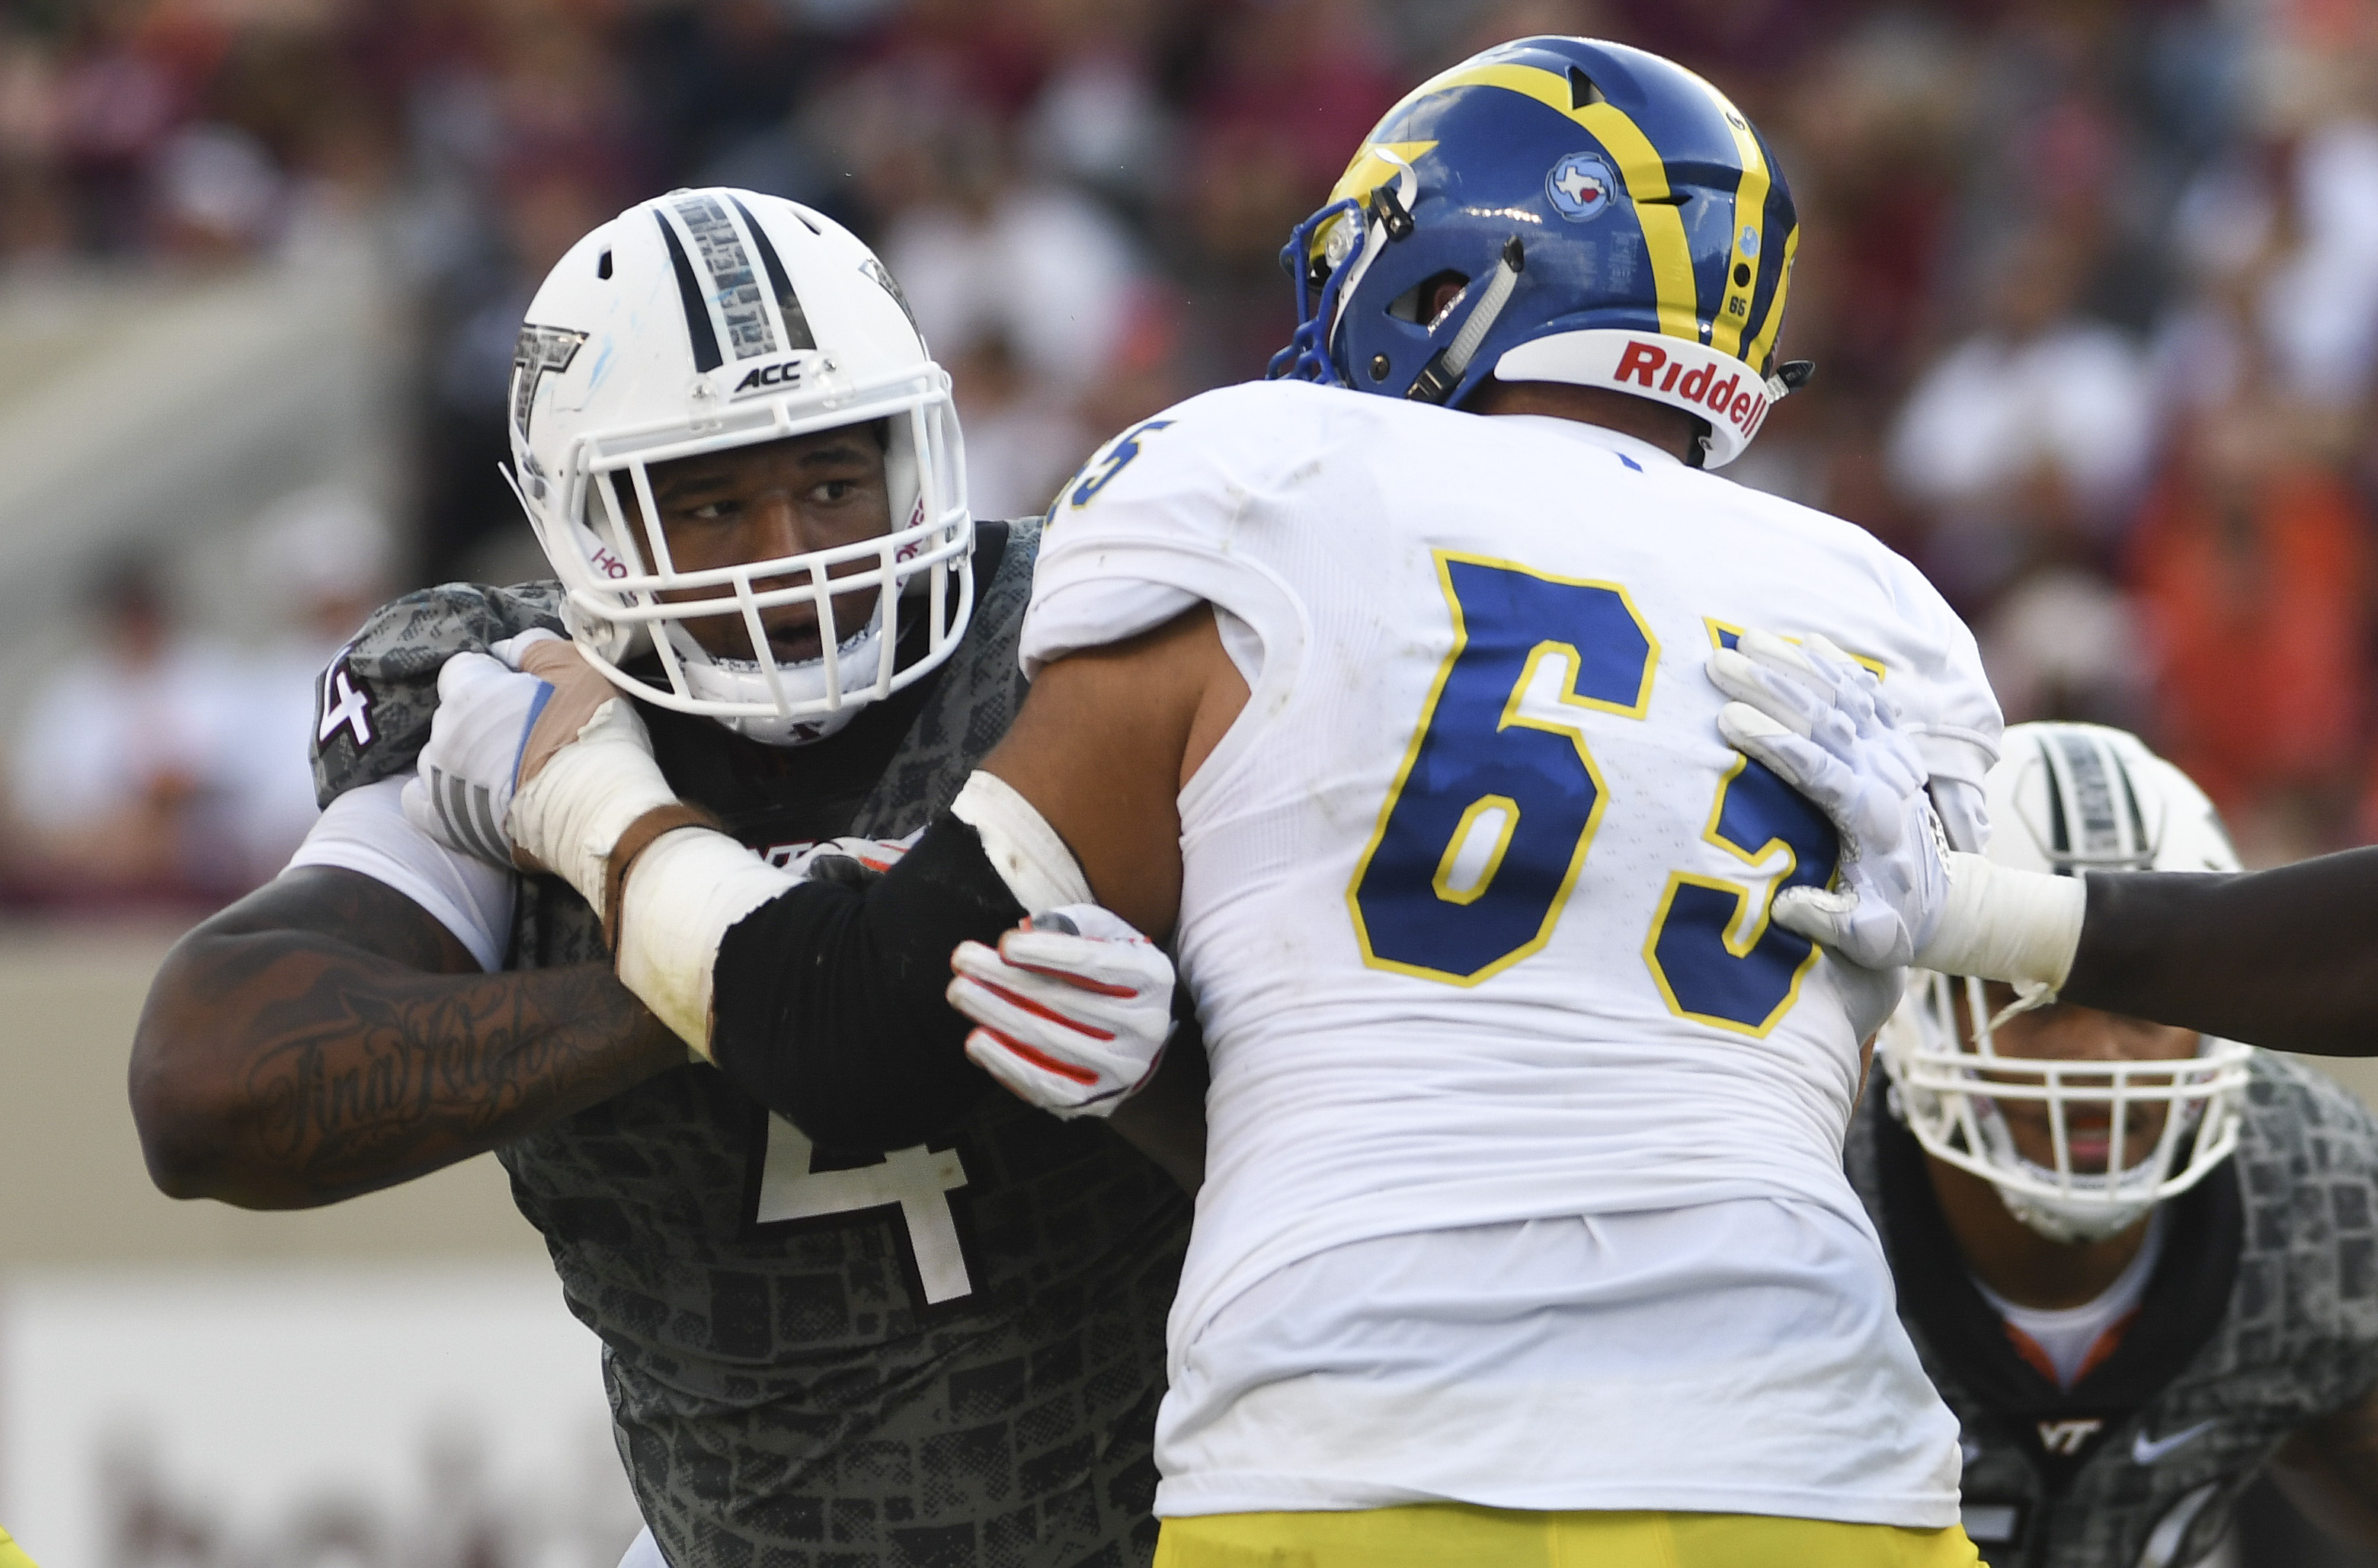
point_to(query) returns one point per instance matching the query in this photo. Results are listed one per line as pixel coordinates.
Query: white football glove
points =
(462, 790)
(556, 756)
(1817, 719)
(1073, 1008)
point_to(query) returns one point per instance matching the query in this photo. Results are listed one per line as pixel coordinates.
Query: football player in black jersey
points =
(2135, 1259)
(929, 1330)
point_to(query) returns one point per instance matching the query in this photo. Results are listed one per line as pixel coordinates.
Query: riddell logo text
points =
(786, 373)
(1649, 366)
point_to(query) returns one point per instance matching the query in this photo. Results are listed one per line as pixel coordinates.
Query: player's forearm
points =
(828, 1002)
(2285, 958)
(280, 1069)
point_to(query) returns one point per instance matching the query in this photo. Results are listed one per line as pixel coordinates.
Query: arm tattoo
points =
(327, 1038)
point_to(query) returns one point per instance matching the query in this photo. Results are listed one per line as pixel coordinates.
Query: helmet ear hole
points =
(1426, 300)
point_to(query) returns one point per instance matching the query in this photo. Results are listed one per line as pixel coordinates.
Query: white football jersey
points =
(1475, 908)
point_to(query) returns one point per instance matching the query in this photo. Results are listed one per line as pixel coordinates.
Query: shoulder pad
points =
(373, 705)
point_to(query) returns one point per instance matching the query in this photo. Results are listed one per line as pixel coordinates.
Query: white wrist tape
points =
(684, 893)
(1022, 847)
(574, 810)
(2002, 924)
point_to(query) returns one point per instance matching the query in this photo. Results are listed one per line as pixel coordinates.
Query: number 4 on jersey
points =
(916, 1181)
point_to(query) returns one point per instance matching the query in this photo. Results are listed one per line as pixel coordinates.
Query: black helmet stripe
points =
(2093, 795)
(734, 290)
(2138, 819)
(2059, 836)
(780, 283)
(697, 313)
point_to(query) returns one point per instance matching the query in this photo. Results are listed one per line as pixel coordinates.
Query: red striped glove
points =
(1073, 1008)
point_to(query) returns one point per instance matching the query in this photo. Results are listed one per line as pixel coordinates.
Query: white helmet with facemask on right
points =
(2067, 799)
(704, 321)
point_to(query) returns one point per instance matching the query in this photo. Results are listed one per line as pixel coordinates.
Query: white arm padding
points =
(1023, 848)
(684, 893)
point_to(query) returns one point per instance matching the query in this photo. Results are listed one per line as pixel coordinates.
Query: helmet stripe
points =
(698, 325)
(1646, 174)
(2059, 827)
(780, 283)
(1764, 344)
(1731, 320)
(733, 289)
(1640, 165)
(1371, 167)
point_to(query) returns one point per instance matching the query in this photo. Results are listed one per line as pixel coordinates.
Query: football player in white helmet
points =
(2081, 1121)
(745, 470)
(2133, 1257)
(2079, 1206)
(615, 424)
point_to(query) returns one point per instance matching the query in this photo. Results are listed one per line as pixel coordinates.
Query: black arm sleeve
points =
(826, 1002)
(2286, 958)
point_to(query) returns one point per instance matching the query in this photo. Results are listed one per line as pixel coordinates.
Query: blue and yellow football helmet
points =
(1613, 220)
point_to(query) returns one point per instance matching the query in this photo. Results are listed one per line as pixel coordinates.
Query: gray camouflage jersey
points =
(949, 1355)
(2261, 1315)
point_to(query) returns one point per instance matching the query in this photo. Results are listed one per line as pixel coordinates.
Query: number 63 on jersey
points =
(1493, 813)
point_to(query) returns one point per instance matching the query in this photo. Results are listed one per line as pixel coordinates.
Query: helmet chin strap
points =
(2073, 1225)
(2103, 1215)
(857, 659)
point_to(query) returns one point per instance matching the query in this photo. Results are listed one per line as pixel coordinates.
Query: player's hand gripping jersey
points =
(942, 1353)
(1475, 912)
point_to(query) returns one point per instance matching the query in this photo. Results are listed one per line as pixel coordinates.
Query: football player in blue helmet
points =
(1556, 210)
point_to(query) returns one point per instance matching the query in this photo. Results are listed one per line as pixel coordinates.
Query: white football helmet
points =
(2067, 798)
(707, 319)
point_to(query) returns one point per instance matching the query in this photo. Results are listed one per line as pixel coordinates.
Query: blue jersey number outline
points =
(1713, 951)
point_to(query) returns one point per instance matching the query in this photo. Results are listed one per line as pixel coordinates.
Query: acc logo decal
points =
(784, 372)
(1580, 186)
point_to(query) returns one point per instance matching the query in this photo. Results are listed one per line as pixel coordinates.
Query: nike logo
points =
(2144, 1451)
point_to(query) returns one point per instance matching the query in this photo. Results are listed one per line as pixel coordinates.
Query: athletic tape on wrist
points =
(1020, 845)
(581, 802)
(640, 835)
(2004, 924)
(687, 890)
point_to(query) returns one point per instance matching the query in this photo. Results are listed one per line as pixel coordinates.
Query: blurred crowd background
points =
(2092, 286)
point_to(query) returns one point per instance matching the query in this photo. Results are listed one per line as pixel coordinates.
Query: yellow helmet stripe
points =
(1369, 171)
(1732, 318)
(1765, 342)
(1639, 165)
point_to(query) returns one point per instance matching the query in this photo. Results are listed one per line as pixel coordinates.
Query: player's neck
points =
(2016, 1261)
(1671, 429)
